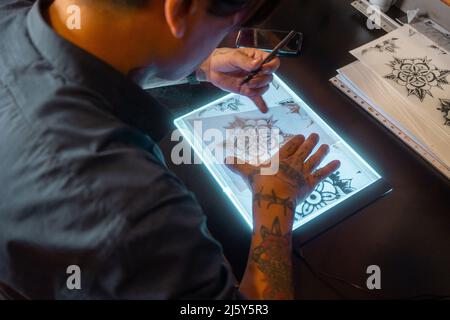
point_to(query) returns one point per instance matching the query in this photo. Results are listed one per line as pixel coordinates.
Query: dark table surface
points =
(406, 233)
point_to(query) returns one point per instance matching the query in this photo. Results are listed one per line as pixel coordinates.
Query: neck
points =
(111, 34)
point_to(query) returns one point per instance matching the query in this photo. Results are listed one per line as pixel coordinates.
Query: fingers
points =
(260, 103)
(307, 147)
(260, 81)
(326, 171)
(256, 96)
(256, 88)
(258, 57)
(236, 165)
(254, 53)
(242, 61)
(248, 92)
(291, 147)
(316, 159)
(272, 66)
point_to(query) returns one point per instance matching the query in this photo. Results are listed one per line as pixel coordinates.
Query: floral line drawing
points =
(445, 109)
(263, 130)
(291, 105)
(232, 104)
(328, 191)
(418, 75)
(388, 45)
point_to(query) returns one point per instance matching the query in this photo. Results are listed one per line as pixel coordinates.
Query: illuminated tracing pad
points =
(208, 132)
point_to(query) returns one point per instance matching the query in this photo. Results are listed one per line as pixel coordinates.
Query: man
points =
(84, 185)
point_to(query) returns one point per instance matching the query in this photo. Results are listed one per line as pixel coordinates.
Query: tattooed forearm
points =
(272, 258)
(273, 199)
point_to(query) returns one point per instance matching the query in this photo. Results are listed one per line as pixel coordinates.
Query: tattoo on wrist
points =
(272, 258)
(274, 199)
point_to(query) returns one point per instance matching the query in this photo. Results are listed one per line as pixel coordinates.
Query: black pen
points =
(270, 57)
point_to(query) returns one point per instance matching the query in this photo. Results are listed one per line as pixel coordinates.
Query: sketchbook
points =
(208, 131)
(416, 68)
(404, 78)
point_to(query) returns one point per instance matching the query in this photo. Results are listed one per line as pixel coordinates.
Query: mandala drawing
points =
(388, 45)
(232, 104)
(445, 109)
(263, 131)
(291, 105)
(419, 76)
(329, 190)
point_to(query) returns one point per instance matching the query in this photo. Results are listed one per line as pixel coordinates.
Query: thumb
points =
(242, 61)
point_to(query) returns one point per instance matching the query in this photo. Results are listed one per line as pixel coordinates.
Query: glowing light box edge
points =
(196, 145)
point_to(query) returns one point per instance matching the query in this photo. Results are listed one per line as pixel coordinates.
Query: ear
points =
(177, 13)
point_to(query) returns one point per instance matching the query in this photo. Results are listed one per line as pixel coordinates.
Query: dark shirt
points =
(83, 182)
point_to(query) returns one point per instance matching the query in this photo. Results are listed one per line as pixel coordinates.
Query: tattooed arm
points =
(275, 197)
(269, 269)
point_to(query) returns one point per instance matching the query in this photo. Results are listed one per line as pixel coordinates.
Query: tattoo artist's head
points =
(169, 38)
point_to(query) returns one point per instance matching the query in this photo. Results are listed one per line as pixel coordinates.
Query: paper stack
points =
(403, 80)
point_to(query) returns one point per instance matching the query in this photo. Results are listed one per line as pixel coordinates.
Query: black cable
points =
(322, 276)
(326, 283)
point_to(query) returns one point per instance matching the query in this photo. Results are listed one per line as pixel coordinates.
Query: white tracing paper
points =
(414, 67)
(376, 92)
(288, 116)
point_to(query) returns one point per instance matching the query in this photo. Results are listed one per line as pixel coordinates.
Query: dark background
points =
(406, 233)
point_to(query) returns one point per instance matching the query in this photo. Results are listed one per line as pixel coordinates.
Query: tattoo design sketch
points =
(388, 45)
(445, 109)
(276, 84)
(419, 76)
(294, 108)
(263, 130)
(271, 258)
(273, 199)
(254, 138)
(231, 104)
(329, 190)
(291, 105)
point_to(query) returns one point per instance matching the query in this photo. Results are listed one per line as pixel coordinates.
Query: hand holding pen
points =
(245, 71)
(270, 57)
